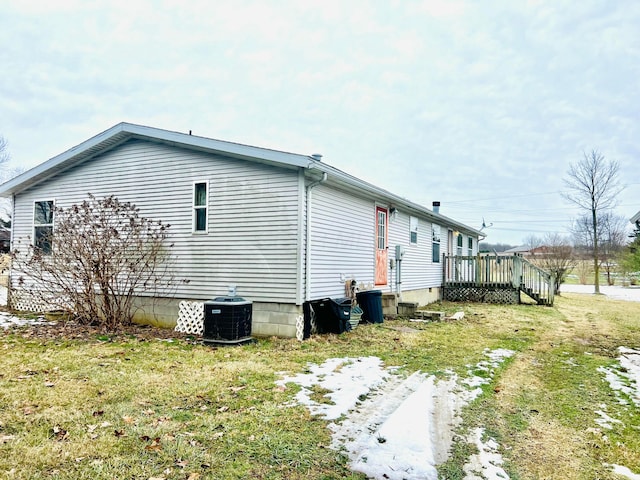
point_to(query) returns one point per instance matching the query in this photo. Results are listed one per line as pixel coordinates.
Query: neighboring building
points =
(526, 251)
(636, 221)
(283, 228)
(521, 250)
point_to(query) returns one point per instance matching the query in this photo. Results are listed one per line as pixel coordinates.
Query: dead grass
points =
(76, 403)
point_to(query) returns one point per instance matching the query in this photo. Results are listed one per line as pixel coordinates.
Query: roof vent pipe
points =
(317, 157)
(436, 207)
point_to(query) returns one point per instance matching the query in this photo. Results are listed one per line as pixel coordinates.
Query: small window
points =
(43, 225)
(413, 230)
(459, 249)
(435, 242)
(470, 246)
(200, 204)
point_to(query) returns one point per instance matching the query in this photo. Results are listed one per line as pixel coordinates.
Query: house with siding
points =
(283, 228)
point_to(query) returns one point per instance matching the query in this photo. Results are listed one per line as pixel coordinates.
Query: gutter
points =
(309, 188)
(353, 184)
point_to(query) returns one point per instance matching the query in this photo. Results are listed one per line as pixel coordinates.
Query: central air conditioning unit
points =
(227, 320)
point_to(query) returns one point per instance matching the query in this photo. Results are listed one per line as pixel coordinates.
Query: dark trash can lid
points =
(373, 293)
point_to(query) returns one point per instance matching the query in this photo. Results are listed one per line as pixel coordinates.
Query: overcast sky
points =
(481, 105)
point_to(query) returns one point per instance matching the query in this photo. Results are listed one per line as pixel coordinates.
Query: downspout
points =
(307, 282)
(11, 244)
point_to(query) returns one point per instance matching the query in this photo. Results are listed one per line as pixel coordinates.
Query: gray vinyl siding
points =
(253, 214)
(418, 271)
(342, 241)
(343, 244)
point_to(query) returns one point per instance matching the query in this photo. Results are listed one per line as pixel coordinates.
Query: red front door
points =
(382, 223)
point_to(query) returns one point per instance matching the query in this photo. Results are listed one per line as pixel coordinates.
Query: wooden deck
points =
(495, 279)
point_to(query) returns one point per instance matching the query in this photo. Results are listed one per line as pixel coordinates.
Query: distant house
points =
(526, 251)
(521, 249)
(283, 228)
(636, 221)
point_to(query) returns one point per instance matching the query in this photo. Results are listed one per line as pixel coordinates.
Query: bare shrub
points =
(98, 258)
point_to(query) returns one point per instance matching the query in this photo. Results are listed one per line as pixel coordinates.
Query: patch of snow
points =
(486, 464)
(605, 421)
(402, 448)
(390, 427)
(496, 357)
(3, 296)
(630, 361)
(8, 320)
(625, 379)
(571, 362)
(613, 292)
(624, 472)
(348, 379)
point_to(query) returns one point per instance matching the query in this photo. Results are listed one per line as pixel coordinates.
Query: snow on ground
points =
(8, 320)
(394, 428)
(346, 378)
(625, 472)
(624, 380)
(614, 292)
(486, 464)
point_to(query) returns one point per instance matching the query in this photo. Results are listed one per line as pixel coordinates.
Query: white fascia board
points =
(635, 218)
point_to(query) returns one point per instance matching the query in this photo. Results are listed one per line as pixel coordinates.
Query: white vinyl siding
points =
(343, 236)
(254, 209)
(418, 271)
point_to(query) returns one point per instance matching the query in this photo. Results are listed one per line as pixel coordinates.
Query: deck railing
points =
(499, 271)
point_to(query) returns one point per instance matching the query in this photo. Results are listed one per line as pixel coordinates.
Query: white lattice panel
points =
(22, 301)
(300, 327)
(190, 318)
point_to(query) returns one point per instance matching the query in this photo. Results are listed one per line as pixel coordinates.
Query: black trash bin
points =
(371, 303)
(332, 314)
(227, 320)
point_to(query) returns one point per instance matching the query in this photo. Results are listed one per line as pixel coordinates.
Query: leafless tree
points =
(615, 236)
(612, 238)
(4, 157)
(533, 241)
(594, 187)
(6, 173)
(554, 254)
(98, 258)
(4, 176)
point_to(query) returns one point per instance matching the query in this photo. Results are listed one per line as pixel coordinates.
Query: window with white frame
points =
(413, 230)
(43, 225)
(470, 246)
(200, 207)
(435, 243)
(459, 249)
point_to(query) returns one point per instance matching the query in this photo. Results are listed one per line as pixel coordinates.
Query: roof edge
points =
(123, 131)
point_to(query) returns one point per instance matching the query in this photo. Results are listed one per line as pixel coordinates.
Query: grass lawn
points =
(134, 406)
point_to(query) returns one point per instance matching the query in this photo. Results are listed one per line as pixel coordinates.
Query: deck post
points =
(516, 279)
